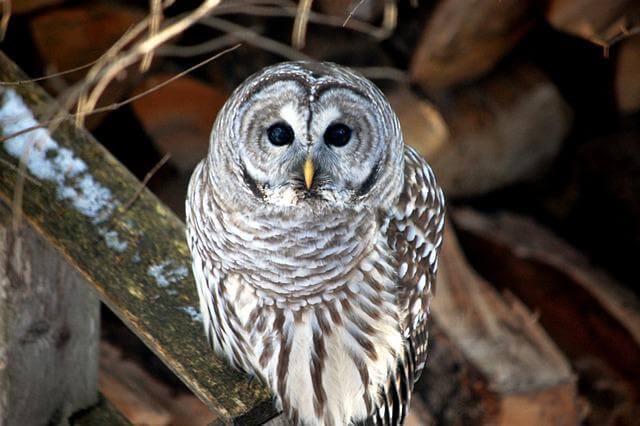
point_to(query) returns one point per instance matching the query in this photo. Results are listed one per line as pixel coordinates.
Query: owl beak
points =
(308, 170)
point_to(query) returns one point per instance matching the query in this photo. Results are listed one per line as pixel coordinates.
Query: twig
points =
(31, 129)
(79, 92)
(22, 173)
(144, 182)
(353, 11)
(14, 167)
(48, 76)
(125, 208)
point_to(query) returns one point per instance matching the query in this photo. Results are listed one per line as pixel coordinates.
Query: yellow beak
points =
(308, 172)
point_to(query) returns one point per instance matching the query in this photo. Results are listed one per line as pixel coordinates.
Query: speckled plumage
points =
(321, 292)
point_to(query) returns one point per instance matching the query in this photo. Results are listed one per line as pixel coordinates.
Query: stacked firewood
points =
(529, 113)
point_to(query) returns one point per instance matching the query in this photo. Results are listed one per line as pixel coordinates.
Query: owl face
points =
(309, 133)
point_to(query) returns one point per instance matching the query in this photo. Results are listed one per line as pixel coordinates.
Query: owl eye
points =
(337, 134)
(280, 134)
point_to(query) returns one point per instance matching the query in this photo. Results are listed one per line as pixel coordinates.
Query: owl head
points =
(306, 135)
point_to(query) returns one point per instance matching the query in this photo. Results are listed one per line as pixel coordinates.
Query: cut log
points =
(592, 318)
(463, 40)
(80, 34)
(178, 117)
(27, 6)
(603, 189)
(628, 76)
(506, 129)
(128, 387)
(144, 399)
(71, 37)
(490, 362)
(49, 331)
(594, 20)
(418, 414)
(422, 125)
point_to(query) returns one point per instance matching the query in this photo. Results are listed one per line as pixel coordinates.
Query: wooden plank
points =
(136, 258)
(103, 413)
(143, 398)
(49, 331)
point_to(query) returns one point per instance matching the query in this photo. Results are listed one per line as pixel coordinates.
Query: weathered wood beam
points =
(134, 255)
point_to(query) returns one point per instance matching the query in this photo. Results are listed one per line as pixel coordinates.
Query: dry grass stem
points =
(255, 39)
(352, 12)
(291, 11)
(300, 24)
(126, 206)
(12, 166)
(101, 76)
(49, 76)
(6, 16)
(79, 92)
(389, 21)
(117, 105)
(145, 182)
(54, 122)
(389, 18)
(199, 49)
(155, 20)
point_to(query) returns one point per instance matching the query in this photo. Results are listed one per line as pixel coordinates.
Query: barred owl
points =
(315, 235)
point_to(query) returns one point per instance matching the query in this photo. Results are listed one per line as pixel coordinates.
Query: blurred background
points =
(529, 113)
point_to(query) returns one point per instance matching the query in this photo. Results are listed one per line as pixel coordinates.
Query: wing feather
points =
(414, 230)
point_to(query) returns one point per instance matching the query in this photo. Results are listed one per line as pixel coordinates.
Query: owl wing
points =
(414, 233)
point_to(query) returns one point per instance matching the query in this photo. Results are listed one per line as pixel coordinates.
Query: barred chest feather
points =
(309, 307)
(326, 361)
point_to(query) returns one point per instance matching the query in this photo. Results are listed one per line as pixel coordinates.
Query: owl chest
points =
(325, 362)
